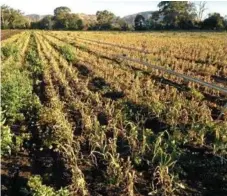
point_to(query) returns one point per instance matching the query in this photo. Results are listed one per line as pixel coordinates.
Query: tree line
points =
(170, 15)
(181, 15)
(62, 19)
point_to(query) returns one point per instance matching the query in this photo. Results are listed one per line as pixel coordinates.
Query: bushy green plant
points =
(9, 50)
(6, 138)
(35, 64)
(16, 92)
(67, 52)
(39, 189)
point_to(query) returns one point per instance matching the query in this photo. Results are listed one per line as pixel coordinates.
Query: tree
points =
(214, 22)
(155, 22)
(155, 16)
(201, 9)
(47, 22)
(140, 22)
(11, 18)
(176, 12)
(120, 24)
(225, 22)
(73, 22)
(60, 15)
(105, 19)
(61, 10)
(5, 12)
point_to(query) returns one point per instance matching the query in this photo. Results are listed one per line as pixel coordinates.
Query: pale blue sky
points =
(119, 8)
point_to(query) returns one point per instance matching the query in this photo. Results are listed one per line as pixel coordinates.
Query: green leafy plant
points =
(67, 52)
(6, 138)
(16, 93)
(39, 189)
(9, 50)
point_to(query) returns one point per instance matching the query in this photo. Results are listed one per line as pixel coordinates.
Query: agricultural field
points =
(82, 116)
(8, 33)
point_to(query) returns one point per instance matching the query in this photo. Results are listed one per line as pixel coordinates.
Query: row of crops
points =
(86, 122)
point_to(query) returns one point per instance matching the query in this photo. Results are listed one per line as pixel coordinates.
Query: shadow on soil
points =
(204, 172)
(135, 112)
(83, 70)
(219, 79)
(97, 83)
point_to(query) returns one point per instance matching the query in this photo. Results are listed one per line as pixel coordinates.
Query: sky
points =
(118, 7)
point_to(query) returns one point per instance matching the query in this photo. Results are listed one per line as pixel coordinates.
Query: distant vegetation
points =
(171, 15)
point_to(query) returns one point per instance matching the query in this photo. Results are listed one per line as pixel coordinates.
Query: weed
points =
(68, 53)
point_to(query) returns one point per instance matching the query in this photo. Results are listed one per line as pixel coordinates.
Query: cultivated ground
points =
(89, 120)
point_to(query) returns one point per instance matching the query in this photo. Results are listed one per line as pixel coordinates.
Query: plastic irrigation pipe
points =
(116, 45)
(209, 85)
(213, 86)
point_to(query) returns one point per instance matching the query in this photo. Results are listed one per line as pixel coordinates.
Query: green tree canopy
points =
(68, 21)
(105, 19)
(47, 22)
(73, 22)
(11, 18)
(174, 12)
(61, 10)
(215, 22)
(139, 22)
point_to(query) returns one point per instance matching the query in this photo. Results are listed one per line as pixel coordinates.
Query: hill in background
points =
(86, 17)
(35, 17)
(130, 18)
(92, 18)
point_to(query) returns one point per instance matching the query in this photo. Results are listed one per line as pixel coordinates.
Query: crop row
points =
(170, 49)
(214, 74)
(99, 125)
(109, 73)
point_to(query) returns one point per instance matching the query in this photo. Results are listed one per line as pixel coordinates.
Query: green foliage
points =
(171, 15)
(16, 93)
(177, 13)
(69, 21)
(196, 94)
(120, 24)
(9, 50)
(68, 53)
(140, 23)
(47, 23)
(65, 20)
(165, 152)
(73, 22)
(36, 64)
(61, 10)
(215, 22)
(165, 155)
(32, 56)
(6, 138)
(39, 189)
(8, 144)
(12, 19)
(105, 19)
